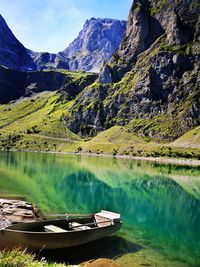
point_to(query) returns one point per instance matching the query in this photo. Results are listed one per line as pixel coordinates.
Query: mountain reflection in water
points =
(159, 204)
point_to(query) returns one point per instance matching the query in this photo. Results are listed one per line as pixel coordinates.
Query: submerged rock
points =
(101, 263)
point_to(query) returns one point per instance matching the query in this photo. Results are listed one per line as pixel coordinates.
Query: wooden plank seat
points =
(106, 218)
(54, 229)
(78, 226)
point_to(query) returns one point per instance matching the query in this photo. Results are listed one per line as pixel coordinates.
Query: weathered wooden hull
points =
(36, 239)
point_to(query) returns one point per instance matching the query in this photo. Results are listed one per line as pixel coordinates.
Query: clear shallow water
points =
(159, 204)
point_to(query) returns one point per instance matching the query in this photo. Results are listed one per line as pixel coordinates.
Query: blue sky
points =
(49, 25)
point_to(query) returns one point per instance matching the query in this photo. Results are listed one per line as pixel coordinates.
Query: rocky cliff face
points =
(15, 84)
(148, 20)
(152, 83)
(45, 60)
(96, 43)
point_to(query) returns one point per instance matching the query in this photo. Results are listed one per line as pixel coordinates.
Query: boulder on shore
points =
(12, 211)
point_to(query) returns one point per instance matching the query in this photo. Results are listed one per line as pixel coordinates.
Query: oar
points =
(68, 215)
(90, 224)
(55, 215)
(78, 215)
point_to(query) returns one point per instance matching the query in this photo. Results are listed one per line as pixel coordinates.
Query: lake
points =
(159, 204)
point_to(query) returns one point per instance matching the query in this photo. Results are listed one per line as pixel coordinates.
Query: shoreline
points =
(17, 211)
(159, 160)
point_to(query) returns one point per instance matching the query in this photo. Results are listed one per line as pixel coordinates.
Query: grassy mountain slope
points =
(145, 102)
(36, 123)
(190, 139)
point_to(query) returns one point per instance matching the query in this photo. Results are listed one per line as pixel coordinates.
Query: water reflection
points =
(158, 203)
(109, 247)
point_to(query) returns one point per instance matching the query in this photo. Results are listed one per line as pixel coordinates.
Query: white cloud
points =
(74, 12)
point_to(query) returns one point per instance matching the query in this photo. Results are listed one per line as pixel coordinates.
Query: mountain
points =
(12, 53)
(45, 60)
(15, 84)
(145, 102)
(176, 21)
(95, 44)
(15, 56)
(152, 83)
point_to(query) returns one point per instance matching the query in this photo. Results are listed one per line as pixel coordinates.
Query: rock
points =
(101, 263)
(12, 53)
(14, 84)
(95, 44)
(15, 56)
(12, 211)
(142, 31)
(105, 75)
(3, 221)
(154, 76)
(45, 60)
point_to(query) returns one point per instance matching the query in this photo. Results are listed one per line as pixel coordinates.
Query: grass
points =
(40, 114)
(117, 134)
(157, 7)
(191, 139)
(118, 140)
(37, 124)
(21, 258)
(178, 49)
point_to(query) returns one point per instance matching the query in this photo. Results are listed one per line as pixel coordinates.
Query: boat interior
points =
(80, 223)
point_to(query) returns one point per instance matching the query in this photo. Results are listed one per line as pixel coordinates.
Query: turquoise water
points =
(159, 204)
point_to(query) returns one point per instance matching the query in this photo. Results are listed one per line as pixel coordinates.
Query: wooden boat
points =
(61, 233)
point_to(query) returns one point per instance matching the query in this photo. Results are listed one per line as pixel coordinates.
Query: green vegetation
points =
(161, 128)
(122, 140)
(21, 258)
(37, 124)
(158, 5)
(181, 49)
(191, 139)
(74, 76)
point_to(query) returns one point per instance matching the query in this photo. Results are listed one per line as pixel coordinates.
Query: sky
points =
(50, 25)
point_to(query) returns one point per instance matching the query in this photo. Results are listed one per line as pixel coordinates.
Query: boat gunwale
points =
(7, 229)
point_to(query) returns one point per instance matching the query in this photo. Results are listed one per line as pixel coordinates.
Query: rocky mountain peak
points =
(95, 44)
(12, 53)
(5, 32)
(15, 56)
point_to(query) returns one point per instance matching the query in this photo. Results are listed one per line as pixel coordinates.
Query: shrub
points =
(79, 149)
(19, 257)
(115, 151)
